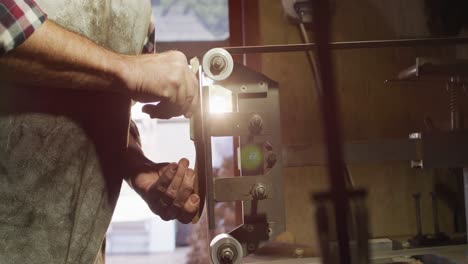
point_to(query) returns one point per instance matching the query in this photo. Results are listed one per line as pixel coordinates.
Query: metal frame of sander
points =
(255, 123)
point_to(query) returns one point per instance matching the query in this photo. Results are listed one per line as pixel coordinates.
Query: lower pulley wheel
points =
(225, 249)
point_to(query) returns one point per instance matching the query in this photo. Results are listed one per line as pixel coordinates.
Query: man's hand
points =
(163, 77)
(54, 57)
(167, 189)
(171, 195)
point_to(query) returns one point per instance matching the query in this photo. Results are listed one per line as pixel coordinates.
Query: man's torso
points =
(60, 151)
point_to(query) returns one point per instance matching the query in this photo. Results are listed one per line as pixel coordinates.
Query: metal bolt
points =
(217, 65)
(256, 124)
(415, 136)
(270, 231)
(227, 255)
(259, 191)
(218, 62)
(417, 164)
(251, 246)
(249, 228)
(299, 252)
(271, 159)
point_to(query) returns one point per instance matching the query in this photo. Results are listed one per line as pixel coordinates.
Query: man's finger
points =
(157, 190)
(186, 189)
(165, 179)
(190, 209)
(172, 190)
(163, 110)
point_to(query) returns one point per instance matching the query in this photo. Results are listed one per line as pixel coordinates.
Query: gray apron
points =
(60, 151)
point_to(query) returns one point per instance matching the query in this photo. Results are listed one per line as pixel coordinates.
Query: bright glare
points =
(220, 99)
(219, 104)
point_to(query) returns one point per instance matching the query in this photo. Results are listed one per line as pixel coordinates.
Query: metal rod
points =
(417, 208)
(332, 129)
(366, 44)
(305, 38)
(465, 185)
(411, 72)
(435, 213)
(455, 120)
(311, 58)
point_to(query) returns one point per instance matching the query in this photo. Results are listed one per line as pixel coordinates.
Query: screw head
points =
(256, 124)
(261, 191)
(251, 246)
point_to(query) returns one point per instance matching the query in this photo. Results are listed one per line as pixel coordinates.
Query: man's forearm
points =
(54, 57)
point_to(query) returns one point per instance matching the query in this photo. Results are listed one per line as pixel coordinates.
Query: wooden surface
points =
(370, 108)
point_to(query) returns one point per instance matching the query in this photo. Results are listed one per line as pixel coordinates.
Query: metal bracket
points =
(242, 188)
(239, 124)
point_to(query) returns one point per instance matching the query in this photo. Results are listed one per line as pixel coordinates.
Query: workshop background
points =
(370, 110)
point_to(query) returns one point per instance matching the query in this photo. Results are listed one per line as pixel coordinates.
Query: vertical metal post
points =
(332, 127)
(465, 183)
(417, 210)
(244, 56)
(435, 213)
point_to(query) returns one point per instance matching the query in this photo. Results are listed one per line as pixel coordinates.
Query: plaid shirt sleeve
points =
(18, 20)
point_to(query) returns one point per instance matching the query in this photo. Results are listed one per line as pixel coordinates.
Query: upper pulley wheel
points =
(218, 64)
